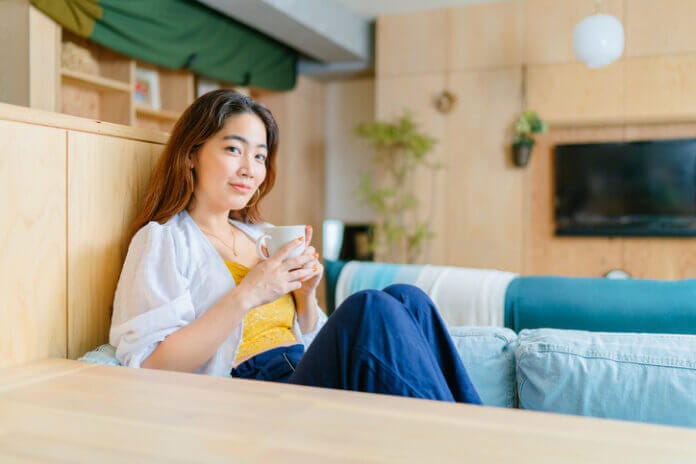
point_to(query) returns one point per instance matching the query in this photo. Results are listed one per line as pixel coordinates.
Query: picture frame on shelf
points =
(147, 88)
(204, 86)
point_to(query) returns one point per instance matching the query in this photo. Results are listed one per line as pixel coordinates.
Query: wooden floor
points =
(68, 411)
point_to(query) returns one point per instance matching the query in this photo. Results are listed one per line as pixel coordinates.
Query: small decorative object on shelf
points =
(204, 86)
(77, 58)
(445, 101)
(527, 124)
(147, 91)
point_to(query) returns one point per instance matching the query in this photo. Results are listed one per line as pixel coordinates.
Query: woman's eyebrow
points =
(243, 140)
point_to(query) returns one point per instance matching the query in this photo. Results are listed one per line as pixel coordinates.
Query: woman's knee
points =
(413, 298)
(409, 293)
(377, 303)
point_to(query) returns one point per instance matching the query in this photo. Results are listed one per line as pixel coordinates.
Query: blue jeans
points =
(392, 342)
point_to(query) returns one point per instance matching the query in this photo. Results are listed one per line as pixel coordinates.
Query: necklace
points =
(234, 240)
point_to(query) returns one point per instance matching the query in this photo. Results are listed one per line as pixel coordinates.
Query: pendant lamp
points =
(598, 40)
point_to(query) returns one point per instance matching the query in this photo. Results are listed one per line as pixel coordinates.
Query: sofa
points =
(618, 349)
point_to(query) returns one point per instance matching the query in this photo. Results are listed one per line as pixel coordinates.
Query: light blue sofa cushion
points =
(488, 353)
(104, 354)
(637, 377)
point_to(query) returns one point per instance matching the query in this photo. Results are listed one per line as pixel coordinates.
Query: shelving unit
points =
(108, 94)
(176, 93)
(91, 82)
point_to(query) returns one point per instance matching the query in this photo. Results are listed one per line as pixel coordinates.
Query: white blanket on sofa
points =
(464, 296)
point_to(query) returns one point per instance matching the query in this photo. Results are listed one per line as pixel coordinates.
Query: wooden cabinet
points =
(34, 248)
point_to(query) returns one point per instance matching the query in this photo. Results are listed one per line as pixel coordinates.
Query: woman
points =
(193, 296)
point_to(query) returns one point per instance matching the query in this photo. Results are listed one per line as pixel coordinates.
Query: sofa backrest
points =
(598, 304)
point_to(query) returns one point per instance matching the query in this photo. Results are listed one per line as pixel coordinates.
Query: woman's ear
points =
(192, 159)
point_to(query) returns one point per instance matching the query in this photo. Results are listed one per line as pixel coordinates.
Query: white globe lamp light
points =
(598, 40)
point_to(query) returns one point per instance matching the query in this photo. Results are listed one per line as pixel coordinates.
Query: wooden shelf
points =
(580, 122)
(164, 115)
(94, 82)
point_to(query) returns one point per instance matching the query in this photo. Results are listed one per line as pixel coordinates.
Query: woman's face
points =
(231, 165)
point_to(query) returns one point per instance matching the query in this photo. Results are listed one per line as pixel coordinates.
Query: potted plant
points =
(400, 233)
(527, 124)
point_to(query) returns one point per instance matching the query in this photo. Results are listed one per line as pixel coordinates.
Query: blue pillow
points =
(104, 354)
(637, 377)
(488, 353)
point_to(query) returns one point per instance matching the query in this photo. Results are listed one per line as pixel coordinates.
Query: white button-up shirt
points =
(171, 276)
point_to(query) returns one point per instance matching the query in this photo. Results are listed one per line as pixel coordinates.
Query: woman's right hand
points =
(274, 277)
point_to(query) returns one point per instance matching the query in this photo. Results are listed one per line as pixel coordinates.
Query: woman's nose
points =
(246, 167)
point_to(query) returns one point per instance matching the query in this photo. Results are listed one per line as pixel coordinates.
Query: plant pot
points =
(521, 153)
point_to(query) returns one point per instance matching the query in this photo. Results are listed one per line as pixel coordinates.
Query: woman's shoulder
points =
(178, 232)
(155, 230)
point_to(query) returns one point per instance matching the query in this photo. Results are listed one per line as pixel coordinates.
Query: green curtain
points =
(180, 34)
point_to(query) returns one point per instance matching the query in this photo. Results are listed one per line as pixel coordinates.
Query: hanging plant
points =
(526, 125)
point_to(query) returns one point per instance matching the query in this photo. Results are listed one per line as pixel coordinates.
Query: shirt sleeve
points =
(152, 297)
(308, 338)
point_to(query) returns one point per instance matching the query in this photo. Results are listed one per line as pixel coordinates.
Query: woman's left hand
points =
(310, 283)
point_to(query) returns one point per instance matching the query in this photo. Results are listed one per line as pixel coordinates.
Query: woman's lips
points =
(241, 188)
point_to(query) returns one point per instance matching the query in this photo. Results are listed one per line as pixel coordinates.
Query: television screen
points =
(631, 188)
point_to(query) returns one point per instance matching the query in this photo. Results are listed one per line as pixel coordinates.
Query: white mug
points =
(274, 238)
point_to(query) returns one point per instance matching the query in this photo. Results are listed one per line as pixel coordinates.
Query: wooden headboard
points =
(68, 192)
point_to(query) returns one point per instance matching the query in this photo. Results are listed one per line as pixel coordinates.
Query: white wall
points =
(347, 103)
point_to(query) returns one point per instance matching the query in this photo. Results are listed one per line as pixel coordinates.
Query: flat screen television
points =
(628, 188)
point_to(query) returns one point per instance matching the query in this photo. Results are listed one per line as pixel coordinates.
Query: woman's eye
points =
(234, 150)
(261, 157)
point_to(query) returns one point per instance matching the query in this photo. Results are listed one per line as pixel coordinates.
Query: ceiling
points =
(372, 8)
(336, 37)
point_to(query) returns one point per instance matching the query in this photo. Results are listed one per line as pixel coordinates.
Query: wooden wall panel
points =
(485, 36)
(660, 86)
(550, 26)
(33, 237)
(484, 213)
(664, 27)
(107, 177)
(574, 92)
(412, 43)
(663, 258)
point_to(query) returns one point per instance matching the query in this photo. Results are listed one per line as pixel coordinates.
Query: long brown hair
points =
(171, 186)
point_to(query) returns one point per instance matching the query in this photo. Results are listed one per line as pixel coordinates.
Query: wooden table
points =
(67, 411)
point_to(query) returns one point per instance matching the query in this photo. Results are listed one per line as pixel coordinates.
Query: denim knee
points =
(381, 304)
(405, 290)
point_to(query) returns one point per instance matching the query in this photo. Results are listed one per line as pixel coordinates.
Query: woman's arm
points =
(306, 295)
(194, 344)
(191, 346)
(307, 312)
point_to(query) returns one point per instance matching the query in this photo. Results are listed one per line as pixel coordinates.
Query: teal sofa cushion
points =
(603, 305)
(637, 377)
(488, 353)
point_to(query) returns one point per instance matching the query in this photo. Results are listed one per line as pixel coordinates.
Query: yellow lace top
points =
(266, 326)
